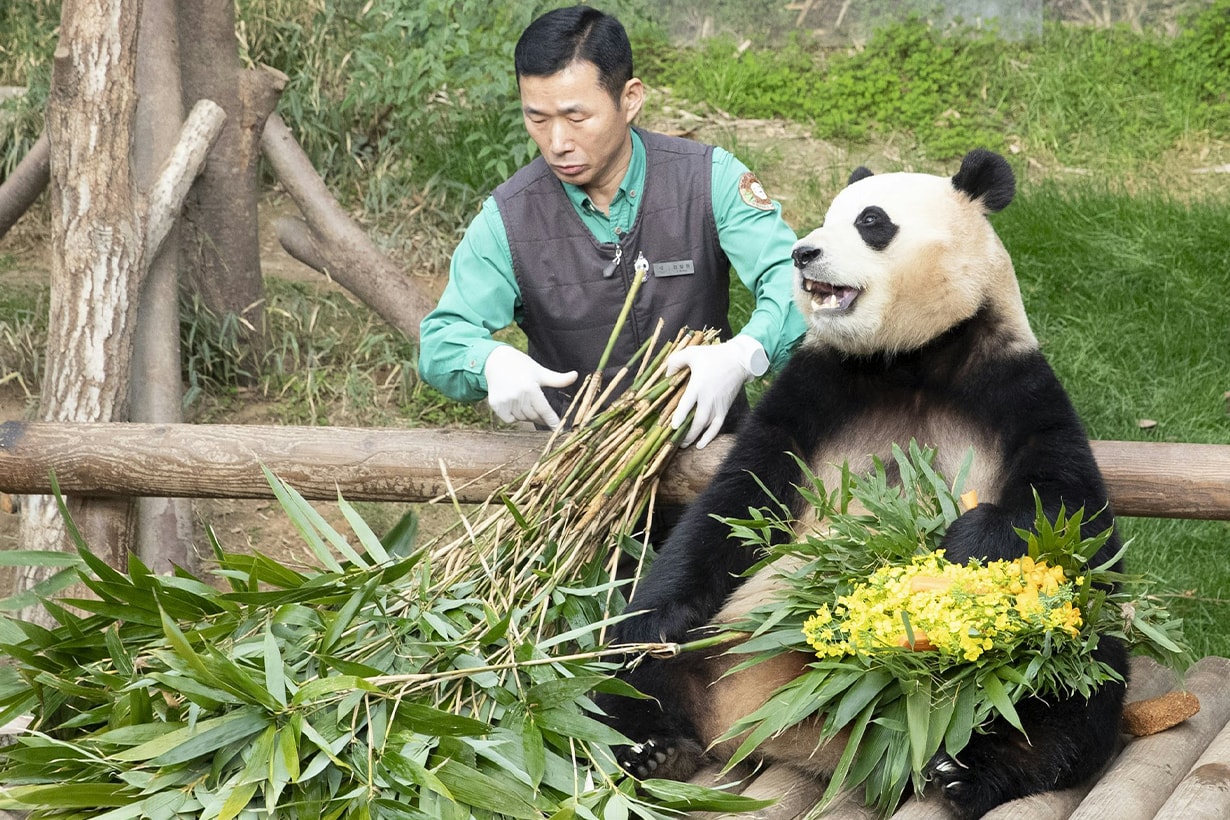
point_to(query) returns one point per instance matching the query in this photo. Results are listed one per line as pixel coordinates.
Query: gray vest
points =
(571, 295)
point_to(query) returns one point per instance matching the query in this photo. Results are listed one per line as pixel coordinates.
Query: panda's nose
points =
(804, 255)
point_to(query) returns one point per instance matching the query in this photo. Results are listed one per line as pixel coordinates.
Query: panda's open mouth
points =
(826, 296)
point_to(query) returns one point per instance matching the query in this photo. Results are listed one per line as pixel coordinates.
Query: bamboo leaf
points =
(80, 796)
(405, 770)
(471, 787)
(534, 751)
(858, 727)
(676, 795)
(427, 720)
(303, 517)
(205, 696)
(865, 689)
(571, 723)
(961, 725)
(994, 688)
(346, 615)
(918, 714)
(44, 589)
(561, 691)
(238, 800)
(375, 549)
(321, 688)
(402, 536)
(287, 755)
(189, 742)
(1156, 635)
(275, 671)
(39, 558)
(183, 648)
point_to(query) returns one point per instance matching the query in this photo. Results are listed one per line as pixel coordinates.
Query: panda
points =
(916, 330)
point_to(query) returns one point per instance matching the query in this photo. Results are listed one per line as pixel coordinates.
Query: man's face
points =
(580, 130)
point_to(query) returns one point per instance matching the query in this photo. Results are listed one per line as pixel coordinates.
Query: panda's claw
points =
(951, 775)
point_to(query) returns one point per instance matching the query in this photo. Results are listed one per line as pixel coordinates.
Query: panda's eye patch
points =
(875, 227)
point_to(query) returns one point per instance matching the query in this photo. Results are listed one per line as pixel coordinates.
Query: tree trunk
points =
(97, 254)
(329, 241)
(164, 525)
(219, 236)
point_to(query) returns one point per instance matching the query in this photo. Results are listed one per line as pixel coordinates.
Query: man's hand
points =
(718, 372)
(514, 387)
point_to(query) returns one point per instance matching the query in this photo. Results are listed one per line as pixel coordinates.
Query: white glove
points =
(718, 372)
(514, 387)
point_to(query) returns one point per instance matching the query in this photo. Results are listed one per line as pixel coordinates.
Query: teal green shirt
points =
(482, 295)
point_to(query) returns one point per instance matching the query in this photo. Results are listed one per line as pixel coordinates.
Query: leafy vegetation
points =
(408, 109)
(327, 360)
(29, 33)
(448, 681)
(1104, 97)
(858, 595)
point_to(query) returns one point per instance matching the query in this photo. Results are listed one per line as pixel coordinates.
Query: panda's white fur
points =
(957, 264)
(916, 330)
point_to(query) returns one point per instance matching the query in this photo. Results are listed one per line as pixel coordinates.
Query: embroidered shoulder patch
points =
(752, 192)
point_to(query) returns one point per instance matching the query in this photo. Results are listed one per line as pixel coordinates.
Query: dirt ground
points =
(777, 151)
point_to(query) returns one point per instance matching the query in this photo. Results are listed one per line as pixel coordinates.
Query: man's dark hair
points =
(559, 38)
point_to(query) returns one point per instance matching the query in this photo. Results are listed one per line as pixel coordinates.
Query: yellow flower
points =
(960, 611)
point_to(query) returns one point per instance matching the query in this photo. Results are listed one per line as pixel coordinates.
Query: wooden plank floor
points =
(1182, 773)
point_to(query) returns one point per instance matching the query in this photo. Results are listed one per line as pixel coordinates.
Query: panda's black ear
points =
(858, 173)
(986, 176)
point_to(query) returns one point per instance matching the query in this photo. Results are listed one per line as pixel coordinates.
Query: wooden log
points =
(20, 189)
(1205, 793)
(369, 464)
(329, 241)
(1151, 767)
(1172, 480)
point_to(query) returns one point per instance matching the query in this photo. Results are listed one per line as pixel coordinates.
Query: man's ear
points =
(632, 98)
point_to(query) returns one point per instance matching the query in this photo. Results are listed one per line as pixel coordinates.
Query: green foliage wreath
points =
(902, 698)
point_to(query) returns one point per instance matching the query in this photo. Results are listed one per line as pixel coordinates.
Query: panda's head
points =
(903, 257)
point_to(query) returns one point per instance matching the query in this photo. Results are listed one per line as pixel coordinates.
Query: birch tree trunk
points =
(97, 254)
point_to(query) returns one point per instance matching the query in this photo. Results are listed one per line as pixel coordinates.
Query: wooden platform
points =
(1182, 773)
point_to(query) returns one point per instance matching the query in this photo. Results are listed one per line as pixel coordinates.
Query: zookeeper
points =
(555, 247)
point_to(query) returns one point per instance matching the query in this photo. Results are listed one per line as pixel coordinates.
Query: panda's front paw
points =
(660, 758)
(641, 759)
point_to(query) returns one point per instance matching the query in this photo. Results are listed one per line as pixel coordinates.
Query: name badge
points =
(684, 267)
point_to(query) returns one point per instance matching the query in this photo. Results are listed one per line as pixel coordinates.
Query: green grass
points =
(328, 360)
(1094, 97)
(1127, 296)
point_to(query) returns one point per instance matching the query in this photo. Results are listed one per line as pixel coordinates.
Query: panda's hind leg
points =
(1067, 742)
(693, 699)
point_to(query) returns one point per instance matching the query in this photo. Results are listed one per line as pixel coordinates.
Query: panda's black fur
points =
(916, 331)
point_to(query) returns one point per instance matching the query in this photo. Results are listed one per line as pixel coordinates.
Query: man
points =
(556, 247)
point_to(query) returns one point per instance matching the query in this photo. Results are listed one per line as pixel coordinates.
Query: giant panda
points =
(916, 330)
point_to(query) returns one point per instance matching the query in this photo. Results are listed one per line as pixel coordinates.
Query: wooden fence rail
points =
(1149, 479)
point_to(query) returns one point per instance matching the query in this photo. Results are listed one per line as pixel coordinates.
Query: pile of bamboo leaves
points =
(444, 681)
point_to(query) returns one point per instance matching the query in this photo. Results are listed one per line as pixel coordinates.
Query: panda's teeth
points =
(829, 302)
